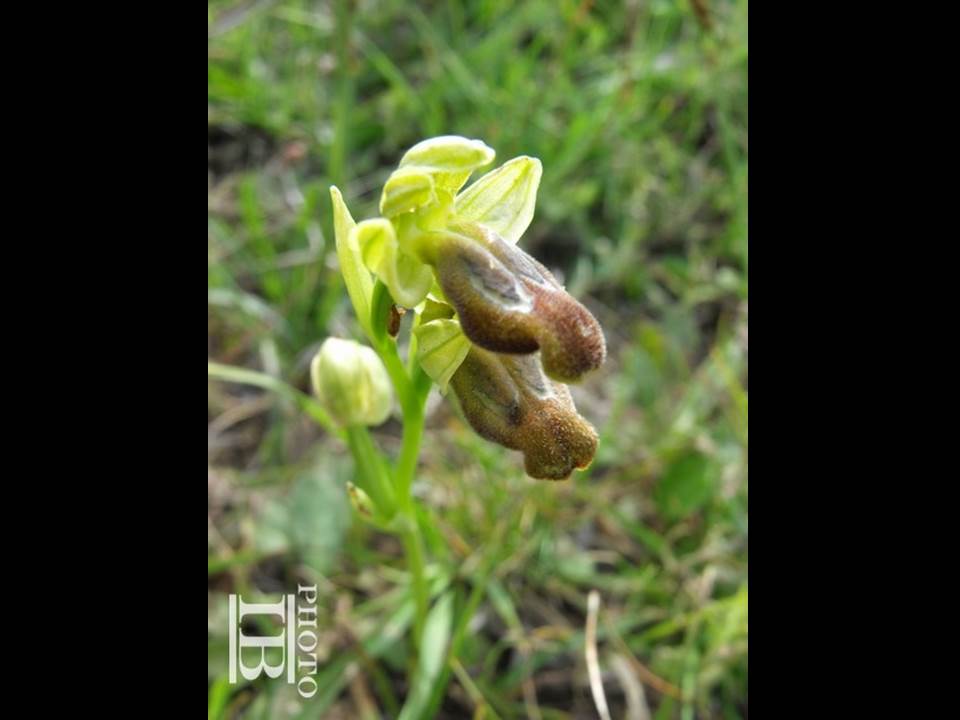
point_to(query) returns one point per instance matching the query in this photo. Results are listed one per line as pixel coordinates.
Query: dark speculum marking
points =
(493, 280)
(528, 374)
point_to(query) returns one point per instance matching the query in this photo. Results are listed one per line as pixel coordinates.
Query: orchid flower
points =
(490, 322)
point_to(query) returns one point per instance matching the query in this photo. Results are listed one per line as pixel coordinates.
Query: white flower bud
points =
(351, 383)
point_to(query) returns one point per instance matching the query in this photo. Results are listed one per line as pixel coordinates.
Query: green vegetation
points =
(637, 111)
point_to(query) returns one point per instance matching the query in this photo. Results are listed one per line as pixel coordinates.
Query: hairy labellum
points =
(508, 302)
(507, 399)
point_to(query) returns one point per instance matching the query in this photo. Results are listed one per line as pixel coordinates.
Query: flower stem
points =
(370, 467)
(413, 418)
(413, 549)
(409, 452)
(412, 386)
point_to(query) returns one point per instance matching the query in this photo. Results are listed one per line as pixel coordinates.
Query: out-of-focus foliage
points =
(638, 113)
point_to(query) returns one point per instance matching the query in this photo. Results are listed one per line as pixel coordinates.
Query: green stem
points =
(370, 468)
(398, 375)
(413, 549)
(409, 452)
(413, 418)
(412, 386)
(386, 346)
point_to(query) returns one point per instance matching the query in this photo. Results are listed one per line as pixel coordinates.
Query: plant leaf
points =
(433, 655)
(244, 376)
(504, 199)
(687, 484)
(319, 514)
(311, 520)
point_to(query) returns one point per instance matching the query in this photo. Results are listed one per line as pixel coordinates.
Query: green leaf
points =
(687, 484)
(504, 199)
(441, 348)
(218, 695)
(406, 190)
(408, 279)
(358, 281)
(270, 534)
(319, 515)
(503, 604)
(433, 655)
(451, 159)
(243, 376)
(333, 677)
(311, 520)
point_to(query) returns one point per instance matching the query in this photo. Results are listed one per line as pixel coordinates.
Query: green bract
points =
(355, 276)
(441, 350)
(452, 256)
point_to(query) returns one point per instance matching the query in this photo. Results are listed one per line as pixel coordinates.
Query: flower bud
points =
(508, 302)
(351, 383)
(360, 500)
(508, 400)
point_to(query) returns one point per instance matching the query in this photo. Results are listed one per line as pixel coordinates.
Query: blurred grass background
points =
(638, 111)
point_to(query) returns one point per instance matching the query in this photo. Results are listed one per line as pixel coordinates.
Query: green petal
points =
(355, 276)
(408, 279)
(451, 158)
(407, 189)
(441, 348)
(504, 199)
